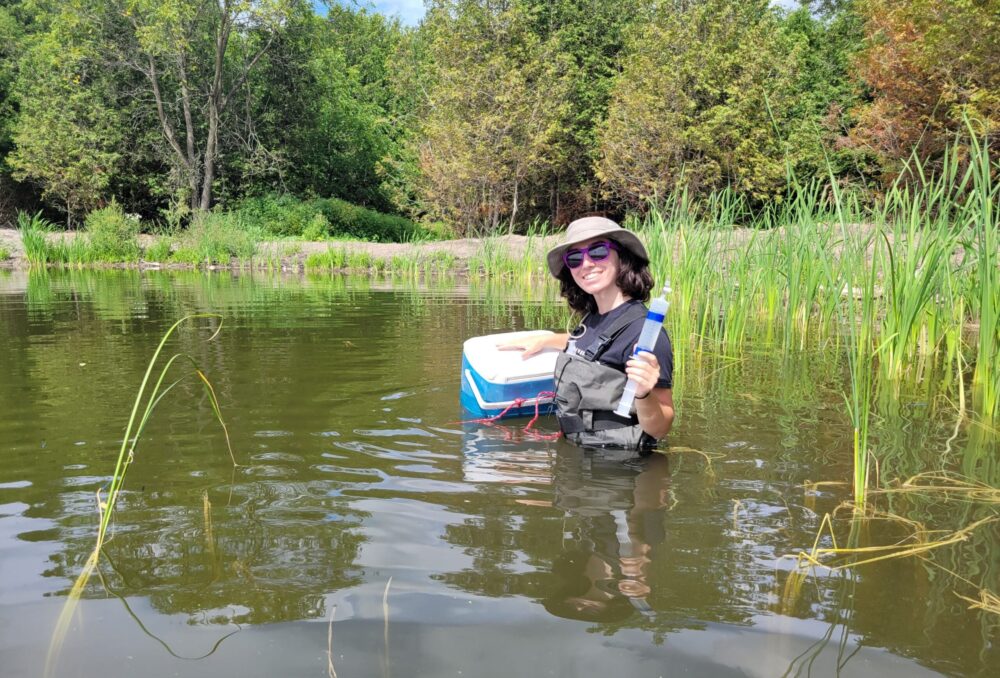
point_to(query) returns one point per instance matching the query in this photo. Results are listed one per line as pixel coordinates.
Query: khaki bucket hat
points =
(594, 227)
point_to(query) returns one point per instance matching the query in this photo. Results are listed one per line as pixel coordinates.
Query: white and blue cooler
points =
(492, 380)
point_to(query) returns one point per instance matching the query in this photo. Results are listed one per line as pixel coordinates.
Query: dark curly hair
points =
(634, 280)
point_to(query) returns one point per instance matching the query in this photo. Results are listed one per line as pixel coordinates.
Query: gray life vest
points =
(587, 393)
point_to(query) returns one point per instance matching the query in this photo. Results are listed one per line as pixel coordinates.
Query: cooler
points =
(493, 379)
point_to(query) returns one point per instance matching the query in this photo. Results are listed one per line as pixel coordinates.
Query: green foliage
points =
(112, 234)
(33, 230)
(5, 253)
(318, 228)
(159, 250)
(217, 238)
(287, 216)
(826, 89)
(343, 113)
(592, 35)
(491, 138)
(66, 135)
(704, 99)
(10, 35)
(487, 116)
(334, 259)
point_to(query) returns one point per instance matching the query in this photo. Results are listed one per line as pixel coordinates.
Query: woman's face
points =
(594, 277)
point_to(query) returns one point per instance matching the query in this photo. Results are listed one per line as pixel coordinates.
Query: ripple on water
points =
(14, 508)
(277, 456)
(15, 485)
(423, 486)
(351, 474)
(394, 432)
(77, 481)
(397, 396)
(419, 468)
(380, 452)
(272, 434)
(269, 471)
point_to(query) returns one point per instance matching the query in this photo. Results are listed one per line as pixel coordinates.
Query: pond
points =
(367, 531)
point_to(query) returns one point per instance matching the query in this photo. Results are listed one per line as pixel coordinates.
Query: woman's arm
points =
(536, 344)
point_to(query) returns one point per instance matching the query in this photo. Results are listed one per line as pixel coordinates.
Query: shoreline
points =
(291, 255)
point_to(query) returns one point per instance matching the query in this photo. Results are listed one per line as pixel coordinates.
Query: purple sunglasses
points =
(597, 251)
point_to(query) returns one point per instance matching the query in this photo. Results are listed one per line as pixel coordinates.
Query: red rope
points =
(517, 402)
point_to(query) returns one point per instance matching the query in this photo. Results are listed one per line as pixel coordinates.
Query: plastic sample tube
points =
(647, 340)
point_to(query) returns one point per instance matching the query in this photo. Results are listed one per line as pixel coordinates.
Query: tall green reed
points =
(984, 217)
(148, 397)
(33, 230)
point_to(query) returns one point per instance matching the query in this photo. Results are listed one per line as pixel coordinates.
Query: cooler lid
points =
(506, 367)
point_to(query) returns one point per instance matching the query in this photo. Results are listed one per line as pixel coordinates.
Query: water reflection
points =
(614, 507)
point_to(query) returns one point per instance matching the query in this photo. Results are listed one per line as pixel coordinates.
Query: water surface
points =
(438, 548)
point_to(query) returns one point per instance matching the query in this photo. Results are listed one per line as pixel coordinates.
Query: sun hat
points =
(593, 227)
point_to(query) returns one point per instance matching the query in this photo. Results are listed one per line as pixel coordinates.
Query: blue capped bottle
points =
(647, 340)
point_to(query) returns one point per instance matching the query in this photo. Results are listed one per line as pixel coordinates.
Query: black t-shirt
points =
(623, 346)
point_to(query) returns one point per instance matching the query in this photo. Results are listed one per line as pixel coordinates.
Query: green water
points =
(441, 548)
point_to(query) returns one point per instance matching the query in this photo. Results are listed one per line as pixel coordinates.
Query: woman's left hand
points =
(644, 369)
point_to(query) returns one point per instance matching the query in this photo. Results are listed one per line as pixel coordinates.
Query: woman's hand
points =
(644, 369)
(534, 344)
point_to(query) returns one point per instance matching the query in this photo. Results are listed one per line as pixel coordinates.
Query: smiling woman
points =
(603, 271)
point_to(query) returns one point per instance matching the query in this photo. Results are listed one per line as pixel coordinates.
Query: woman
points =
(604, 273)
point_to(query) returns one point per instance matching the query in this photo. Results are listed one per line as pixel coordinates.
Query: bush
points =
(4, 253)
(159, 250)
(287, 216)
(276, 215)
(318, 228)
(365, 224)
(216, 238)
(113, 235)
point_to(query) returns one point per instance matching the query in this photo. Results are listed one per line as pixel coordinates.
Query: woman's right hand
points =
(534, 344)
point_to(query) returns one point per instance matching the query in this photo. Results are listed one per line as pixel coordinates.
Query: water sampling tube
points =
(647, 340)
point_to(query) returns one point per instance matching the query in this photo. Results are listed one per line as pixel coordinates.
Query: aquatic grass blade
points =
(126, 456)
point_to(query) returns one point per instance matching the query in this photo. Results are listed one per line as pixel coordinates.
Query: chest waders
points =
(588, 391)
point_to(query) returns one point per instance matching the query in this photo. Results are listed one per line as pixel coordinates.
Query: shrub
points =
(276, 215)
(365, 224)
(4, 253)
(216, 238)
(288, 216)
(113, 235)
(318, 228)
(159, 250)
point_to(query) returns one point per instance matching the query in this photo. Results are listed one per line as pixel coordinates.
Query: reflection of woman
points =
(604, 273)
(617, 513)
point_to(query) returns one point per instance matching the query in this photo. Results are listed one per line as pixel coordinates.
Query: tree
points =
(203, 51)
(14, 195)
(704, 100)
(590, 36)
(345, 124)
(829, 34)
(927, 66)
(491, 133)
(65, 135)
(9, 36)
